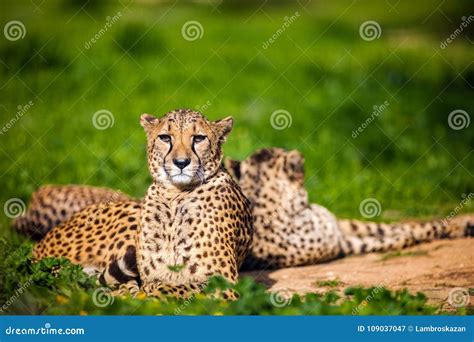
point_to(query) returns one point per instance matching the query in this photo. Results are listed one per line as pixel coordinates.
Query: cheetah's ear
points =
(147, 120)
(224, 127)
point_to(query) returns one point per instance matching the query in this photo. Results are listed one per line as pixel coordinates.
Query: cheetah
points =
(193, 223)
(290, 231)
(51, 205)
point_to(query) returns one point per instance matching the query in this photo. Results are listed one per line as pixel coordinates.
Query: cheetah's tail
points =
(362, 237)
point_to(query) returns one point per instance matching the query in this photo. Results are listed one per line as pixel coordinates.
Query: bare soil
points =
(434, 268)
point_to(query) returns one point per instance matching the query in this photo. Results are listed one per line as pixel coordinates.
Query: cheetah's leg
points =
(129, 288)
(160, 290)
(121, 274)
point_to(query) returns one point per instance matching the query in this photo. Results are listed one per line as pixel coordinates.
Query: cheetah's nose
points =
(182, 163)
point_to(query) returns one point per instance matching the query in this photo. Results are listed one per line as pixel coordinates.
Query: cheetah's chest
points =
(171, 234)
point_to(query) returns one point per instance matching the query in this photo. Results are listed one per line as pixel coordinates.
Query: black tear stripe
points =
(167, 153)
(115, 271)
(195, 153)
(130, 259)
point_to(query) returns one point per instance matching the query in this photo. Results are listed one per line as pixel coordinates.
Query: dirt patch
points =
(434, 268)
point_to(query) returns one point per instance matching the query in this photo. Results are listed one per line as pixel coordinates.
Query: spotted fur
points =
(51, 205)
(194, 221)
(290, 231)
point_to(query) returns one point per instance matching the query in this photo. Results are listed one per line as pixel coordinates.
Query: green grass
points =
(319, 70)
(328, 283)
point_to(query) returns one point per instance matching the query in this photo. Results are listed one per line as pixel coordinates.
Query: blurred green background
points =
(318, 68)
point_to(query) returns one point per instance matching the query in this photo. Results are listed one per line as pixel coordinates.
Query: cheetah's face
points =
(184, 148)
(275, 167)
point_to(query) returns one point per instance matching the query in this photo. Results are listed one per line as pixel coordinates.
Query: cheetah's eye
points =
(199, 138)
(164, 137)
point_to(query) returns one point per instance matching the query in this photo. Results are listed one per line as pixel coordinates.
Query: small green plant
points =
(175, 268)
(328, 283)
